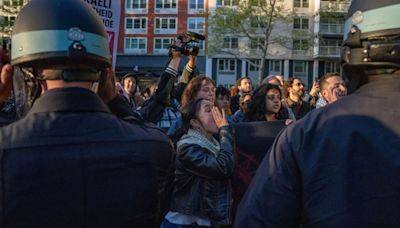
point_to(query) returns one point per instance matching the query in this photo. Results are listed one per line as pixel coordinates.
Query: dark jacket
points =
(337, 167)
(153, 109)
(298, 109)
(202, 181)
(235, 103)
(72, 163)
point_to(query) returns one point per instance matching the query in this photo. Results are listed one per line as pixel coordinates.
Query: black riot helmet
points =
(65, 37)
(371, 40)
(59, 33)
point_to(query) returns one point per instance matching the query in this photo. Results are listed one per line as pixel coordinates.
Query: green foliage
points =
(257, 21)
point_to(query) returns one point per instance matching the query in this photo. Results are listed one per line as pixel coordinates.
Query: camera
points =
(190, 43)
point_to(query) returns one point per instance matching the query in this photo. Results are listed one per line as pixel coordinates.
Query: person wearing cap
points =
(339, 166)
(129, 84)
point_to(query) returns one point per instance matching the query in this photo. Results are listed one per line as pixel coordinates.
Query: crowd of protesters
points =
(169, 156)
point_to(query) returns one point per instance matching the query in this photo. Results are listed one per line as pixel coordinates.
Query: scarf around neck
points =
(195, 137)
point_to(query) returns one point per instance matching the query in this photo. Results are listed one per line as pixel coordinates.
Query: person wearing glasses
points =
(297, 106)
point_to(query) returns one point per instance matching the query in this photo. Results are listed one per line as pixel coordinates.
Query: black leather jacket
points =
(71, 163)
(202, 180)
(339, 166)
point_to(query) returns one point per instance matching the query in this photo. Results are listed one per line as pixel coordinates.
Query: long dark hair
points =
(188, 112)
(256, 108)
(193, 88)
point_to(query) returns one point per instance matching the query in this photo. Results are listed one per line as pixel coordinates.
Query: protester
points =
(265, 104)
(274, 79)
(339, 166)
(69, 162)
(163, 107)
(244, 86)
(239, 115)
(223, 100)
(129, 83)
(297, 106)
(332, 88)
(200, 86)
(202, 188)
(150, 89)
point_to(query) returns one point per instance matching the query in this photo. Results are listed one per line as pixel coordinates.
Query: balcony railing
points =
(305, 53)
(329, 51)
(335, 6)
(329, 28)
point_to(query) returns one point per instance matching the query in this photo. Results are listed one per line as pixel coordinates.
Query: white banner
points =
(110, 13)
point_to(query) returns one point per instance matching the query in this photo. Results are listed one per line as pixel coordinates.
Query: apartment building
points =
(8, 12)
(147, 28)
(329, 24)
(309, 60)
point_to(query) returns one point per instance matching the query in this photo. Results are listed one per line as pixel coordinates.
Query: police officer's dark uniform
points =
(70, 162)
(340, 166)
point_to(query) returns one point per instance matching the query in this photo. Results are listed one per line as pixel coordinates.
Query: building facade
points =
(309, 60)
(8, 12)
(147, 28)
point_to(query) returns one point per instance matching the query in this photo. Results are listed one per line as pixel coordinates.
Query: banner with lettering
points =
(110, 13)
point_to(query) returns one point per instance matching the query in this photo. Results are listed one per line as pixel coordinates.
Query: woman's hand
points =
(288, 121)
(219, 118)
(5, 82)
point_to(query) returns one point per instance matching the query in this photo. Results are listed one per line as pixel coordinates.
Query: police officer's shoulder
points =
(142, 129)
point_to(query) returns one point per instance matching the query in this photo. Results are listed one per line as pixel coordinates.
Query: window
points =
(230, 42)
(276, 66)
(300, 3)
(299, 67)
(331, 67)
(161, 45)
(254, 64)
(196, 24)
(196, 4)
(226, 65)
(332, 24)
(227, 3)
(300, 23)
(302, 45)
(136, 25)
(256, 42)
(8, 20)
(165, 25)
(165, 5)
(136, 4)
(14, 2)
(135, 44)
(330, 47)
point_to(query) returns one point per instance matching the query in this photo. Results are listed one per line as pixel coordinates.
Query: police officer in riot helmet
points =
(69, 161)
(340, 166)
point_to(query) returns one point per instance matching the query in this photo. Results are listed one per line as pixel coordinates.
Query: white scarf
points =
(195, 137)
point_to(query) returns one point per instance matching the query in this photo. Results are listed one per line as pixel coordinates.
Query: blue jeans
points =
(167, 224)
